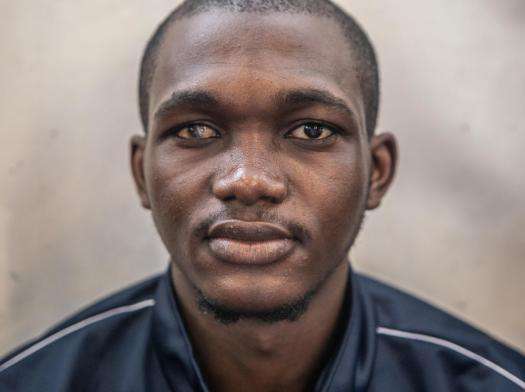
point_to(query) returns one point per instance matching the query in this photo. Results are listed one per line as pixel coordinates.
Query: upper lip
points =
(248, 231)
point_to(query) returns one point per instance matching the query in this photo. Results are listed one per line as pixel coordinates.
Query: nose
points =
(249, 185)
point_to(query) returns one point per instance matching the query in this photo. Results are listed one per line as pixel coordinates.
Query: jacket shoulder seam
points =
(39, 345)
(453, 347)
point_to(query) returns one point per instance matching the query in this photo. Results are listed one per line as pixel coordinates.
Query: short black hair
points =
(367, 66)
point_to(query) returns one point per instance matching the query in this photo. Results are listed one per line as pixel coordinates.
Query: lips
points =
(250, 243)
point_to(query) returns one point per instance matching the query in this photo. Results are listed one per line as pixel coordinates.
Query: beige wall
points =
(451, 229)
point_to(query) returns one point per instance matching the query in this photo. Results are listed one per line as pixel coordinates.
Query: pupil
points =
(313, 131)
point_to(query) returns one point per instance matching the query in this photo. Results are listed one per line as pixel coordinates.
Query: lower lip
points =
(251, 252)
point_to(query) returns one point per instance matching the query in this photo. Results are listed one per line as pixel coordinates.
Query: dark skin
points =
(255, 118)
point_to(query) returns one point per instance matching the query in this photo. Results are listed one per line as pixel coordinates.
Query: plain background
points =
(451, 230)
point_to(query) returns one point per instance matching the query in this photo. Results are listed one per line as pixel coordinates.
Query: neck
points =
(257, 356)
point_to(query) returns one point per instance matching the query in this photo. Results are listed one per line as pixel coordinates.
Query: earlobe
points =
(138, 147)
(384, 152)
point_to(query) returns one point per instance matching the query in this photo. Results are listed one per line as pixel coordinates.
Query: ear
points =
(383, 150)
(138, 147)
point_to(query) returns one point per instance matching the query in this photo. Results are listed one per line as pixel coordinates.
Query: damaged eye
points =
(197, 131)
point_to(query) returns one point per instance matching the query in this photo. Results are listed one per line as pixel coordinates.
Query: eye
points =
(197, 131)
(311, 131)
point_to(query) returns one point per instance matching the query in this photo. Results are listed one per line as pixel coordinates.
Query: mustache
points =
(298, 230)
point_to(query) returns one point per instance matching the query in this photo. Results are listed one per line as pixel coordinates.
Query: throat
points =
(283, 356)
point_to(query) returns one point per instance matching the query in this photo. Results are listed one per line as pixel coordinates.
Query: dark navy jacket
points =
(135, 340)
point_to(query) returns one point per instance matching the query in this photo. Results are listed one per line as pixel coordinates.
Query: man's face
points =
(256, 165)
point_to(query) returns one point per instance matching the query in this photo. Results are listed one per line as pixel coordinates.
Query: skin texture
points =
(253, 81)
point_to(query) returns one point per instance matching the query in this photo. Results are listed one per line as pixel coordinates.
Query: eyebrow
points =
(308, 97)
(194, 98)
(286, 99)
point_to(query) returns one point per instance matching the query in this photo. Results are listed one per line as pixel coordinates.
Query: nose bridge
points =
(255, 156)
(251, 174)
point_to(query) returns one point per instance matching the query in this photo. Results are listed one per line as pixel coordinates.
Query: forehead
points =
(220, 50)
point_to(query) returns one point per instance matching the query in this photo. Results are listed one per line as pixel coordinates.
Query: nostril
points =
(229, 198)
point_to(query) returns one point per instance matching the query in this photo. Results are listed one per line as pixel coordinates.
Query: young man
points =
(258, 163)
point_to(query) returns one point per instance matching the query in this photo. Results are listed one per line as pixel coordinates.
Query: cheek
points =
(335, 193)
(174, 189)
(344, 193)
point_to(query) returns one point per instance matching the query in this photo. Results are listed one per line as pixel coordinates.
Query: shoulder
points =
(423, 336)
(74, 345)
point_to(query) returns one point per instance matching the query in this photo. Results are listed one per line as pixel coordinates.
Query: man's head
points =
(259, 159)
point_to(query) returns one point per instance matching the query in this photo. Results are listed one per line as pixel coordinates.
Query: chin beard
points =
(291, 311)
